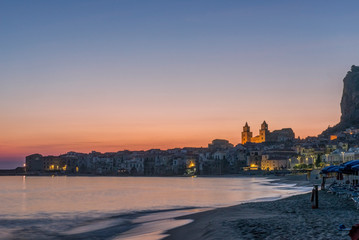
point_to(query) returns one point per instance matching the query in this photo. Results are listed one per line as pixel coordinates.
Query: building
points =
(53, 163)
(335, 157)
(219, 144)
(254, 160)
(283, 135)
(351, 154)
(34, 163)
(339, 156)
(246, 134)
(263, 134)
(272, 163)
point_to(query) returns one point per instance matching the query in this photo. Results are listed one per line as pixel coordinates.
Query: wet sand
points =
(289, 218)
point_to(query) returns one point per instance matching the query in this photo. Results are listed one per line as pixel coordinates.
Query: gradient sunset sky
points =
(112, 75)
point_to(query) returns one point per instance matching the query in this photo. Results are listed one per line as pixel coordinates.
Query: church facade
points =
(265, 135)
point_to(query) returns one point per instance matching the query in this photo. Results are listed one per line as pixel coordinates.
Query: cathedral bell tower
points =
(246, 134)
(263, 133)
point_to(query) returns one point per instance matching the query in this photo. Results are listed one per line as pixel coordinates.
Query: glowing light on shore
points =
(191, 164)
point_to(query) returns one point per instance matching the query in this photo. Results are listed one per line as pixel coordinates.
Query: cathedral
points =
(262, 137)
(285, 134)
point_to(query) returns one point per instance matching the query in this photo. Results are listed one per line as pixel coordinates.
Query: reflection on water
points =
(108, 207)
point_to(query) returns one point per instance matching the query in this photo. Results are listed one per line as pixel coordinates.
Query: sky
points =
(112, 75)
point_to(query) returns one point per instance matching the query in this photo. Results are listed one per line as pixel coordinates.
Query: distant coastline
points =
(275, 175)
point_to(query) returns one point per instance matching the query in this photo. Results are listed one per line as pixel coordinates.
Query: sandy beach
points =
(289, 218)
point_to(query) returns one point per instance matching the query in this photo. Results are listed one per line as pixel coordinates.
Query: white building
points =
(335, 157)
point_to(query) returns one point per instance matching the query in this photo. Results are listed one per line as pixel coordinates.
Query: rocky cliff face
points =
(350, 99)
(349, 104)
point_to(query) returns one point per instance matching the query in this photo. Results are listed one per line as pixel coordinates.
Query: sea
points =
(64, 207)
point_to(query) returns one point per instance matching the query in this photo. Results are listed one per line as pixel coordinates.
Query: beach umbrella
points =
(343, 165)
(350, 163)
(355, 168)
(346, 167)
(330, 169)
(333, 169)
(325, 170)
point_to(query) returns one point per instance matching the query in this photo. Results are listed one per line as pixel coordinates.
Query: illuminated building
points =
(285, 134)
(333, 137)
(271, 163)
(51, 163)
(191, 167)
(263, 134)
(254, 160)
(246, 134)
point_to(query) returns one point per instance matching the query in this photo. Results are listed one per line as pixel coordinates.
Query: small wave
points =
(266, 199)
(148, 224)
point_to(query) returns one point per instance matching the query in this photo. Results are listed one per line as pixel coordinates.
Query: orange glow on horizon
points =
(139, 139)
(55, 136)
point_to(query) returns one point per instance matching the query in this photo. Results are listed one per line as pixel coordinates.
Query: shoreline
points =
(274, 175)
(157, 224)
(286, 218)
(168, 227)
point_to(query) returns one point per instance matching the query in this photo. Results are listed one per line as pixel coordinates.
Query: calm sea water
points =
(118, 208)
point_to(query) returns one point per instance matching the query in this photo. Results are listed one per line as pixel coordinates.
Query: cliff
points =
(349, 103)
(350, 98)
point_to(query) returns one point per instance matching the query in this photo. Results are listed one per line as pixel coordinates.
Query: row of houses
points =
(220, 157)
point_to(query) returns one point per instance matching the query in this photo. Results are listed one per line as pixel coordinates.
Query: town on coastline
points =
(276, 151)
(268, 152)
